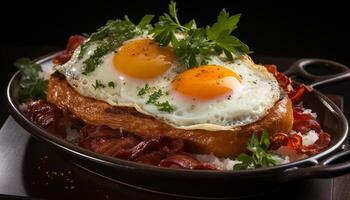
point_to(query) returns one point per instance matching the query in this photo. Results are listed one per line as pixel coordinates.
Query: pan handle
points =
(298, 69)
(336, 165)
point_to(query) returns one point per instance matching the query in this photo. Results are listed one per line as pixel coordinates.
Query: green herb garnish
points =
(162, 106)
(260, 156)
(145, 22)
(165, 106)
(154, 98)
(108, 38)
(32, 86)
(144, 90)
(111, 84)
(199, 43)
(98, 84)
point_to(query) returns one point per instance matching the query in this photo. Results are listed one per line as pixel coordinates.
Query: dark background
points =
(294, 29)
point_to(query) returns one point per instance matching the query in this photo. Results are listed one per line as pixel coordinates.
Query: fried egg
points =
(220, 95)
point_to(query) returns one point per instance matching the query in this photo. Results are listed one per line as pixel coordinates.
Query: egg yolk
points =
(206, 82)
(143, 58)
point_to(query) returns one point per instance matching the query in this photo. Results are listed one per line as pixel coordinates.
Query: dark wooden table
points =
(31, 169)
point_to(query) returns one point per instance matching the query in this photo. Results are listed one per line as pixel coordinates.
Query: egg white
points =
(257, 93)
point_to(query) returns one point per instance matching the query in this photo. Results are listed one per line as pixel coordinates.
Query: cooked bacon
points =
(303, 122)
(295, 141)
(151, 158)
(73, 42)
(283, 81)
(165, 144)
(323, 141)
(104, 140)
(48, 116)
(304, 126)
(185, 161)
(163, 151)
(90, 131)
(278, 140)
(297, 94)
(152, 151)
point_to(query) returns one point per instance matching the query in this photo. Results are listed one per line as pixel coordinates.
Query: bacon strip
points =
(73, 42)
(303, 122)
(298, 93)
(295, 94)
(48, 116)
(185, 161)
(163, 151)
(283, 80)
(104, 140)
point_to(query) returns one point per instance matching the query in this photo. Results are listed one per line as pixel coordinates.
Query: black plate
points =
(205, 183)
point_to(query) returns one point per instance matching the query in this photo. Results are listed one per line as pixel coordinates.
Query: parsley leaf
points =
(145, 21)
(111, 84)
(260, 156)
(224, 23)
(165, 106)
(153, 98)
(167, 25)
(220, 34)
(32, 86)
(194, 44)
(144, 90)
(98, 84)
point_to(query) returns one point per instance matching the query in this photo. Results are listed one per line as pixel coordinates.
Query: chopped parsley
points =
(144, 90)
(111, 84)
(260, 157)
(108, 38)
(165, 106)
(98, 84)
(153, 98)
(32, 86)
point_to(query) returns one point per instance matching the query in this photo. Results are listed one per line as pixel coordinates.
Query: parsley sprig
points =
(260, 157)
(32, 86)
(199, 43)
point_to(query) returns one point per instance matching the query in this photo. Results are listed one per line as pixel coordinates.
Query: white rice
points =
(309, 111)
(309, 138)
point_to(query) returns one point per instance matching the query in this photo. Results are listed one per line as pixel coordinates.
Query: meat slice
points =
(220, 143)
